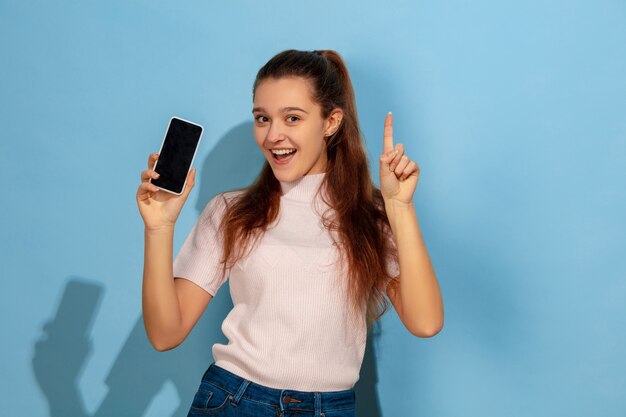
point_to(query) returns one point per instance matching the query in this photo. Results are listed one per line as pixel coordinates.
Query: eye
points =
(260, 119)
(292, 118)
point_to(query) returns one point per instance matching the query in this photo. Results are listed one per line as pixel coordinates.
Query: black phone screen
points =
(176, 155)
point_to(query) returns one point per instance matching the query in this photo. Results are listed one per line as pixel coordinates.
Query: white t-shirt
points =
(289, 327)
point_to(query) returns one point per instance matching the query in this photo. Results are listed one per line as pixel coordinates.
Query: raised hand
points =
(398, 174)
(159, 208)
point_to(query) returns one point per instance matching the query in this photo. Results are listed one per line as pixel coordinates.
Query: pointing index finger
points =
(388, 134)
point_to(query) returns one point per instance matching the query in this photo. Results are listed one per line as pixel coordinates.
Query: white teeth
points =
(282, 151)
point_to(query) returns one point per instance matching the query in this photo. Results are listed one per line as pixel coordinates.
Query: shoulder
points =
(230, 196)
(219, 204)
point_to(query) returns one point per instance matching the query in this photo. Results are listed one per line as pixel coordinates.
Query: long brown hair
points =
(359, 214)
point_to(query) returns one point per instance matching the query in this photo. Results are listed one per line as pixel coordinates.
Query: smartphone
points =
(176, 155)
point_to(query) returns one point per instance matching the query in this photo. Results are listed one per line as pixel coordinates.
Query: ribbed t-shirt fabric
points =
(290, 326)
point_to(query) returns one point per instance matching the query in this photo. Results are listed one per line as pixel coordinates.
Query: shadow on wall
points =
(140, 372)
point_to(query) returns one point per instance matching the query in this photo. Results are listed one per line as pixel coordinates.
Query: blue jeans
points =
(222, 393)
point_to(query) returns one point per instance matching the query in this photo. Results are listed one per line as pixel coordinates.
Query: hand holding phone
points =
(177, 153)
(173, 175)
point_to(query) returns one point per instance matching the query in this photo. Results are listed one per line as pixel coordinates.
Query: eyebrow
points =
(283, 110)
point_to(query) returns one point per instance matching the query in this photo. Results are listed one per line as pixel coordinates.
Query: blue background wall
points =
(515, 112)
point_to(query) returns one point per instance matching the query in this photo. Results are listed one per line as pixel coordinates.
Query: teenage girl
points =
(311, 248)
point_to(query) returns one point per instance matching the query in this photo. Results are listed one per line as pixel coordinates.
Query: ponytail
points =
(349, 101)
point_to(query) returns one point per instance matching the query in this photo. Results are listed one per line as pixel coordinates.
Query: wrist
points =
(398, 213)
(163, 229)
(393, 203)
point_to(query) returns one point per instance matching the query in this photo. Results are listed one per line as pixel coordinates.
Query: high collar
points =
(303, 189)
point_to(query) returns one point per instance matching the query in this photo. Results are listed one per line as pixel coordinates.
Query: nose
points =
(274, 133)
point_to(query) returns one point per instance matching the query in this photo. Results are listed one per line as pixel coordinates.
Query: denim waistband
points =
(284, 399)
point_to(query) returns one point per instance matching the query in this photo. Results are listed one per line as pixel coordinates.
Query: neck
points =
(302, 189)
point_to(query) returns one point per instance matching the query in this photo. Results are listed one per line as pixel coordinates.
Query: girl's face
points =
(287, 120)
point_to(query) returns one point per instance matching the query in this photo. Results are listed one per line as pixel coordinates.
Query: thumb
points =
(385, 160)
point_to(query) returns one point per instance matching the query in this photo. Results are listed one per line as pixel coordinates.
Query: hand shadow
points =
(140, 372)
(61, 352)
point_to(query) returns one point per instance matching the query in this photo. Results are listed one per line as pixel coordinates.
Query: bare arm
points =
(417, 298)
(171, 307)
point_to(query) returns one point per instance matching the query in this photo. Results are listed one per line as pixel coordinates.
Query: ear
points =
(333, 122)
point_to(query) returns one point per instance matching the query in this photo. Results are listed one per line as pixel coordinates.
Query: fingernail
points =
(157, 175)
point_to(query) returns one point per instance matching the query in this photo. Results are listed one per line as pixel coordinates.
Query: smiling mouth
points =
(283, 154)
